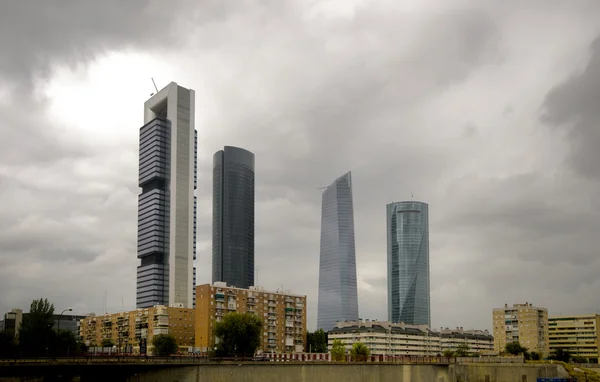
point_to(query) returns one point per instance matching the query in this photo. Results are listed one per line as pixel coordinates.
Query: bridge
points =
(184, 369)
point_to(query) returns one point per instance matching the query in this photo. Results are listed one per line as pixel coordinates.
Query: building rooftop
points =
(253, 288)
(382, 327)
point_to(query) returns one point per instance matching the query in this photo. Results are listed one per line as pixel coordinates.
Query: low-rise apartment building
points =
(577, 334)
(523, 323)
(283, 315)
(478, 341)
(385, 338)
(129, 330)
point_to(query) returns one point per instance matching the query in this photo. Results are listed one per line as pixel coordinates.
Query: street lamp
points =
(60, 315)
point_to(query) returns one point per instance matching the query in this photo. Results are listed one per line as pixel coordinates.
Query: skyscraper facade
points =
(167, 203)
(337, 265)
(408, 262)
(233, 217)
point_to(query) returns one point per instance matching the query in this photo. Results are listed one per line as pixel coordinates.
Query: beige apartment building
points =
(283, 315)
(127, 329)
(523, 323)
(577, 334)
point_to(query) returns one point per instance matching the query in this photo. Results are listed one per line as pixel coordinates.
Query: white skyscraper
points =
(167, 203)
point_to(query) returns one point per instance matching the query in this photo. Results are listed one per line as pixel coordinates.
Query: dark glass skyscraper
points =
(408, 262)
(337, 265)
(233, 217)
(167, 204)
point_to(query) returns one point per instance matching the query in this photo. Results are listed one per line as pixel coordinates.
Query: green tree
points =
(8, 344)
(81, 348)
(164, 345)
(65, 343)
(515, 348)
(36, 336)
(316, 342)
(107, 343)
(462, 350)
(578, 359)
(448, 353)
(535, 356)
(359, 352)
(338, 351)
(238, 334)
(561, 354)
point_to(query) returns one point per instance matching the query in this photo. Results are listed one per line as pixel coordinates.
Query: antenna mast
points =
(154, 83)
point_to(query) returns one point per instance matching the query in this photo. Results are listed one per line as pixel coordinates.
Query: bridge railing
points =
(294, 358)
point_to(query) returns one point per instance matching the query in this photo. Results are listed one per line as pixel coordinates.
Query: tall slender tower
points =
(167, 204)
(337, 265)
(233, 217)
(408, 262)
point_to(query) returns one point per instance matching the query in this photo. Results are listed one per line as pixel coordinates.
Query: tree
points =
(164, 345)
(448, 353)
(515, 348)
(238, 334)
(107, 343)
(8, 344)
(561, 354)
(316, 342)
(64, 343)
(578, 359)
(338, 351)
(462, 350)
(81, 348)
(535, 356)
(359, 352)
(35, 334)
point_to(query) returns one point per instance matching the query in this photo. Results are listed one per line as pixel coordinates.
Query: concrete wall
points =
(350, 373)
(505, 372)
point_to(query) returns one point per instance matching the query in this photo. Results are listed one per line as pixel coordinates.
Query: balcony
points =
(219, 296)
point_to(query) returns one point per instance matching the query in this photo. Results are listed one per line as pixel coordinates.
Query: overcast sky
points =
(489, 111)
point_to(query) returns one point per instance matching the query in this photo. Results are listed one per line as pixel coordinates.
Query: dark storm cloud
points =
(39, 34)
(572, 106)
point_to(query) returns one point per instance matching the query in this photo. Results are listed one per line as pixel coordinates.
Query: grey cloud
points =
(39, 34)
(572, 106)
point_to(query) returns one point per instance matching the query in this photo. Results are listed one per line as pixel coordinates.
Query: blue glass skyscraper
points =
(408, 262)
(337, 266)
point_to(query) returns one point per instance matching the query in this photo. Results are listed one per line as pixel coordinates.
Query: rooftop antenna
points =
(155, 88)
(321, 188)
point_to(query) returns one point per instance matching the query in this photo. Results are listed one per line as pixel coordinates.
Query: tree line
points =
(37, 337)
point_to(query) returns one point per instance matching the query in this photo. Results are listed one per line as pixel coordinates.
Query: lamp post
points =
(60, 315)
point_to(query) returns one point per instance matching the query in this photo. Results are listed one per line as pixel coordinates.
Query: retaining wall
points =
(351, 373)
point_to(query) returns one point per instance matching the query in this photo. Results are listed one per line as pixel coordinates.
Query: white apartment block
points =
(478, 341)
(385, 338)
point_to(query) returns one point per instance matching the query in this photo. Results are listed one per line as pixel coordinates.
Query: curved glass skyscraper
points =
(233, 217)
(337, 266)
(408, 262)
